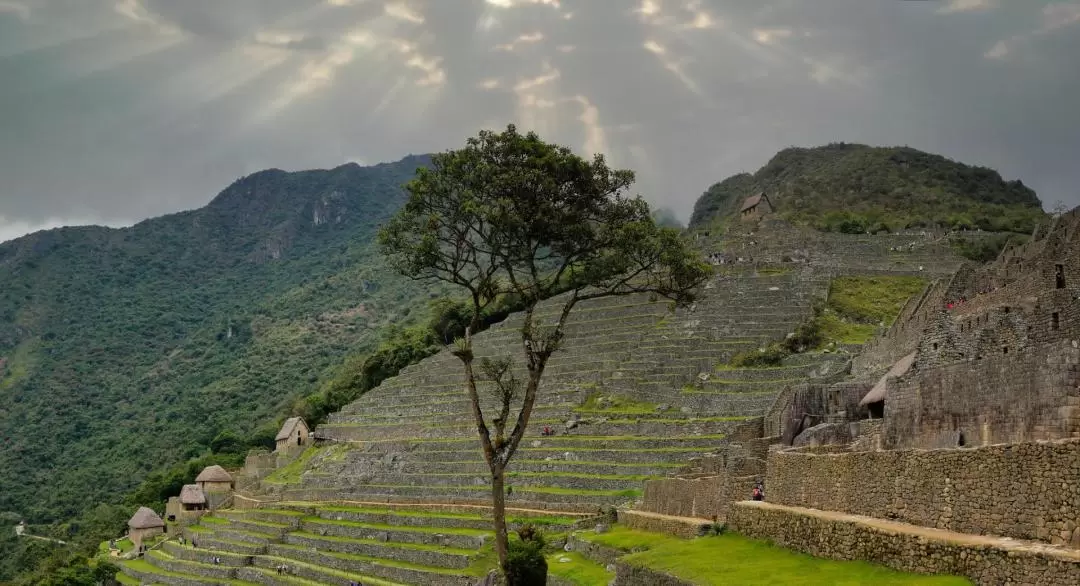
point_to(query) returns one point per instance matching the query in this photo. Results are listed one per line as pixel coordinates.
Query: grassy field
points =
(578, 570)
(733, 559)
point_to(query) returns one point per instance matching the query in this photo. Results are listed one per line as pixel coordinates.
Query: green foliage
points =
(872, 299)
(183, 340)
(665, 218)
(985, 248)
(526, 565)
(771, 355)
(855, 189)
(512, 216)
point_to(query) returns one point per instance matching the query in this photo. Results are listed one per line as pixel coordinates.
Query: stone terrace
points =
(396, 490)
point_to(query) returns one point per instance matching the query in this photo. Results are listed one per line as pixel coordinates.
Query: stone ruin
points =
(975, 438)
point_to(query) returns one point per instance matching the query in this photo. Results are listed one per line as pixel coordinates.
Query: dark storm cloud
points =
(116, 110)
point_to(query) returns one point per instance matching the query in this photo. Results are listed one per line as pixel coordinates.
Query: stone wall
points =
(708, 497)
(1025, 491)
(1012, 397)
(903, 336)
(627, 574)
(834, 536)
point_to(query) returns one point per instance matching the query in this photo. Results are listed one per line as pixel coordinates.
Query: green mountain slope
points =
(125, 350)
(853, 187)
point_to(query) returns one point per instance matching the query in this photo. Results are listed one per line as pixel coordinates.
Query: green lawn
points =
(578, 570)
(733, 559)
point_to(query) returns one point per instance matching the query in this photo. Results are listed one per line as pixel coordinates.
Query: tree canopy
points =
(510, 215)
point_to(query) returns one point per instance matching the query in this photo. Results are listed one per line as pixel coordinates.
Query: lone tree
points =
(512, 215)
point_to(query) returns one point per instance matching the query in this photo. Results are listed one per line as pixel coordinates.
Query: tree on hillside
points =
(510, 215)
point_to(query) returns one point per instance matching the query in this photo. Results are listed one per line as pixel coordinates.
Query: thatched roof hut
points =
(214, 473)
(191, 494)
(145, 518)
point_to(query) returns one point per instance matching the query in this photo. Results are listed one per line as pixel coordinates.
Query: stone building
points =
(144, 525)
(293, 435)
(755, 206)
(216, 484)
(186, 508)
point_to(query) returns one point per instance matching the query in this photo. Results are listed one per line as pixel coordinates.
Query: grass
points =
(124, 545)
(872, 299)
(625, 539)
(578, 570)
(733, 559)
(126, 580)
(290, 473)
(836, 329)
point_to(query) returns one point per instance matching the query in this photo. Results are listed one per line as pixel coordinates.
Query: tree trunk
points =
(498, 514)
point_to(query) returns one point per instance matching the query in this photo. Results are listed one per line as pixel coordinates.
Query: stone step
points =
(464, 427)
(319, 574)
(203, 538)
(570, 442)
(442, 557)
(269, 577)
(461, 538)
(402, 572)
(269, 530)
(572, 480)
(205, 555)
(279, 516)
(555, 498)
(721, 386)
(168, 563)
(599, 454)
(147, 573)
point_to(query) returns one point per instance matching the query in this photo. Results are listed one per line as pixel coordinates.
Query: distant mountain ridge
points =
(126, 349)
(858, 187)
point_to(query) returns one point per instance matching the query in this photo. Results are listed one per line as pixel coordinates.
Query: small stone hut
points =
(216, 485)
(144, 524)
(192, 498)
(755, 206)
(294, 433)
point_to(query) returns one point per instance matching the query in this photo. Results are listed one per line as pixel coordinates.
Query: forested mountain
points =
(124, 350)
(853, 187)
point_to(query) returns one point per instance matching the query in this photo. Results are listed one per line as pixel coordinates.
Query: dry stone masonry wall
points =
(1026, 491)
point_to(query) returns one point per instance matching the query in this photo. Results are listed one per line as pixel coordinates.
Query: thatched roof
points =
(877, 393)
(753, 201)
(191, 494)
(213, 473)
(145, 518)
(289, 428)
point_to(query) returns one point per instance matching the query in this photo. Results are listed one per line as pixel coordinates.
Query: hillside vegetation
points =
(857, 188)
(127, 350)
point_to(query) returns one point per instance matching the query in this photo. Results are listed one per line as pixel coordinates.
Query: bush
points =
(527, 566)
(771, 355)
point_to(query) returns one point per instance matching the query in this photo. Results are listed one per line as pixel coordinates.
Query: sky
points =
(113, 111)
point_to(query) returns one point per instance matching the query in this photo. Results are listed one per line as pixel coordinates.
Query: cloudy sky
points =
(112, 111)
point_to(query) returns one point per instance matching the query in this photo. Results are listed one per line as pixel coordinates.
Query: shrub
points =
(771, 355)
(527, 566)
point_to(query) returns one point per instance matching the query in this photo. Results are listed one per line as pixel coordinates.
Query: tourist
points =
(758, 494)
